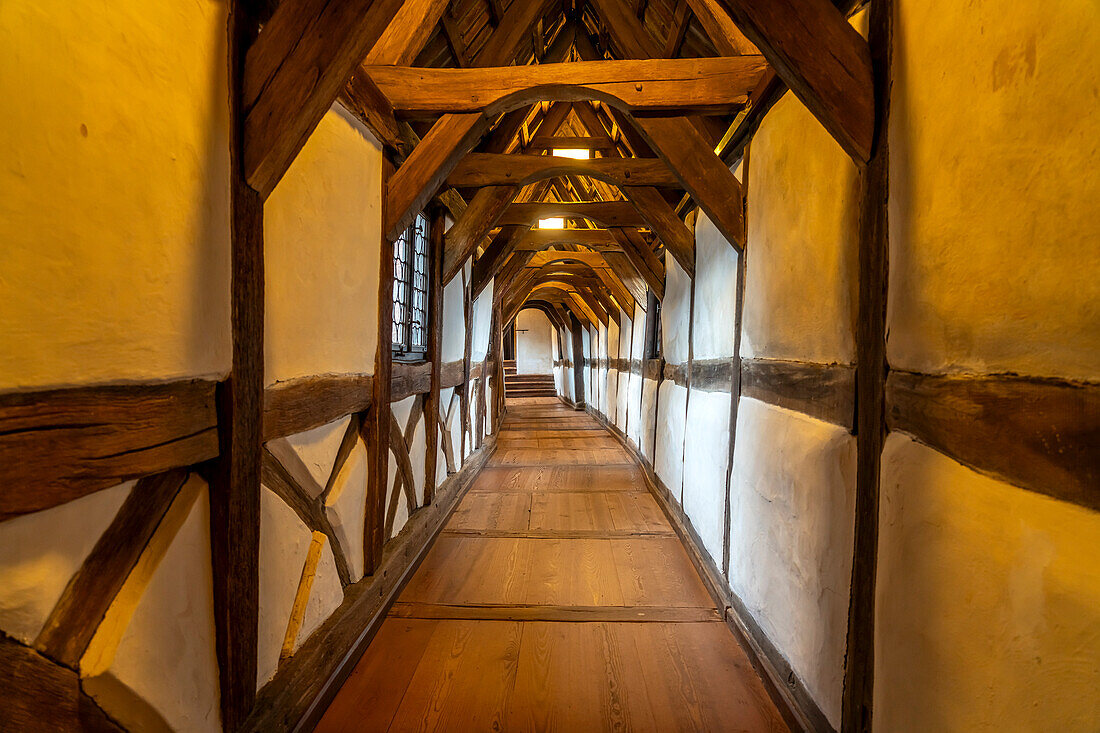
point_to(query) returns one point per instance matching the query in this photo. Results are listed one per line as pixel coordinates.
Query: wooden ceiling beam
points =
(628, 33)
(295, 70)
(713, 85)
(720, 28)
(501, 48)
(680, 144)
(678, 239)
(486, 169)
(451, 137)
(405, 36)
(565, 142)
(606, 213)
(416, 181)
(461, 240)
(822, 58)
(492, 261)
(680, 22)
(701, 172)
(644, 261)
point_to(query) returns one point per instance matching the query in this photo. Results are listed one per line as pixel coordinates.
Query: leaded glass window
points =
(410, 290)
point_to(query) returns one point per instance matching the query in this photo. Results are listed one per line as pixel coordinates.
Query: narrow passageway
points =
(557, 597)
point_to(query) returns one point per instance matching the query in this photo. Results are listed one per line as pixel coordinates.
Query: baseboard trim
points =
(305, 686)
(784, 686)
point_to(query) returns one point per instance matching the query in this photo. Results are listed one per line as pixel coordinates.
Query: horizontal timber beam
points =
(488, 169)
(706, 85)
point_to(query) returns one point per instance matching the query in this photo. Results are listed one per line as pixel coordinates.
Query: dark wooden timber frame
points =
(59, 445)
(235, 478)
(871, 372)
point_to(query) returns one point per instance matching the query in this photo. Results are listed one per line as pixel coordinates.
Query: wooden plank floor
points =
(557, 598)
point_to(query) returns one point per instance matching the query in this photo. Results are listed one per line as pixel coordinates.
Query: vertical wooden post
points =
(235, 478)
(376, 426)
(435, 350)
(871, 372)
(578, 359)
(735, 376)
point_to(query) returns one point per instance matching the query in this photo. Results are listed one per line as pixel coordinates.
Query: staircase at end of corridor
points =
(526, 385)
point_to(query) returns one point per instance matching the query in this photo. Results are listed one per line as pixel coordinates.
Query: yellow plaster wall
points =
(988, 602)
(988, 610)
(800, 260)
(994, 224)
(114, 215)
(322, 238)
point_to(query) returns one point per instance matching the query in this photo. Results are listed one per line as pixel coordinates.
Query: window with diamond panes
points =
(410, 291)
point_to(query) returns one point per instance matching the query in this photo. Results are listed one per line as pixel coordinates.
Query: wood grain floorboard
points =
(556, 598)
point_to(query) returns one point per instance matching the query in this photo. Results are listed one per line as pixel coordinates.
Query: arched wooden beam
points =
(488, 169)
(605, 213)
(703, 85)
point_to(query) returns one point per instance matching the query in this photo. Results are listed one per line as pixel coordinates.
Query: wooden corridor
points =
(558, 597)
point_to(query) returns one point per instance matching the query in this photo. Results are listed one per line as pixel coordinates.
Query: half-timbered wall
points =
(985, 590)
(115, 216)
(988, 593)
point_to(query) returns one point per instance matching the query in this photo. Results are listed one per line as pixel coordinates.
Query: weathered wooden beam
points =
(1038, 434)
(294, 72)
(489, 264)
(556, 142)
(309, 402)
(720, 28)
(677, 238)
(500, 49)
(481, 215)
(486, 169)
(41, 695)
(822, 58)
(681, 19)
(701, 172)
(235, 476)
(365, 101)
(823, 391)
(59, 445)
(712, 86)
(641, 256)
(78, 613)
(628, 33)
(630, 277)
(406, 33)
(606, 213)
(376, 425)
(871, 369)
(408, 379)
(420, 176)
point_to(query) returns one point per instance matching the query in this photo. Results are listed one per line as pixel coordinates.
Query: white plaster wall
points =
(284, 544)
(669, 463)
(482, 321)
(317, 448)
(714, 330)
(344, 507)
(114, 216)
(533, 336)
(800, 277)
(792, 513)
(322, 241)
(648, 418)
(453, 344)
(987, 602)
(706, 456)
(40, 552)
(993, 213)
(166, 657)
(675, 313)
(635, 398)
